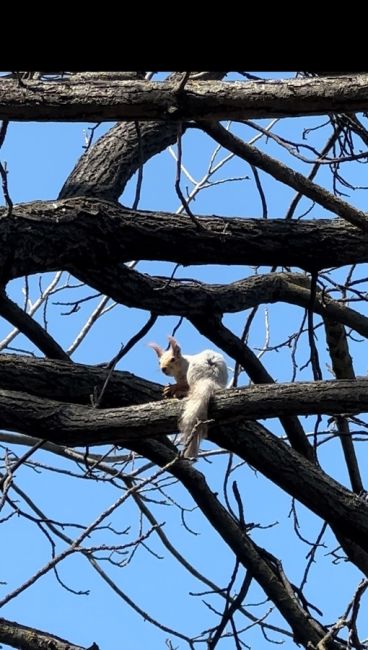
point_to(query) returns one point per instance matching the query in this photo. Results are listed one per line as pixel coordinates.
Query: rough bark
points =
(192, 298)
(343, 510)
(76, 383)
(106, 167)
(29, 638)
(114, 100)
(103, 171)
(73, 424)
(90, 234)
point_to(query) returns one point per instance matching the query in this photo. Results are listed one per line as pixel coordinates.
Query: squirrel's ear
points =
(157, 348)
(175, 347)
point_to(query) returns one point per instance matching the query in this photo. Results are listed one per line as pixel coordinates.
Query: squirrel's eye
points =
(172, 359)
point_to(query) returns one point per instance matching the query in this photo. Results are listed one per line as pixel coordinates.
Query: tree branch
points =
(76, 382)
(286, 175)
(114, 100)
(216, 331)
(190, 299)
(29, 638)
(306, 629)
(343, 368)
(104, 170)
(74, 424)
(88, 233)
(30, 328)
(77, 425)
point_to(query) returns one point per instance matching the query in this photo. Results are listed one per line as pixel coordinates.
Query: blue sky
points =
(39, 157)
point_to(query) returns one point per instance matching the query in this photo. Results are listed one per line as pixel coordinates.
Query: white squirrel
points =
(199, 376)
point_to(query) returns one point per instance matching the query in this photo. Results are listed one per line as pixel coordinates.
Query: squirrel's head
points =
(170, 360)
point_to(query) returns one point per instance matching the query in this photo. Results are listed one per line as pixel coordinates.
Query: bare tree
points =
(110, 434)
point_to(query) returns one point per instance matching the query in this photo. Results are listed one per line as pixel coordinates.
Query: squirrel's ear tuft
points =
(157, 348)
(175, 347)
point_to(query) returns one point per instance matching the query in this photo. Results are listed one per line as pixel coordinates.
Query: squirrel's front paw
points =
(167, 391)
(175, 390)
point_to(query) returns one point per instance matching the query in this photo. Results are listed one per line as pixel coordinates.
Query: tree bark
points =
(29, 638)
(192, 299)
(75, 424)
(76, 383)
(90, 234)
(115, 100)
(106, 167)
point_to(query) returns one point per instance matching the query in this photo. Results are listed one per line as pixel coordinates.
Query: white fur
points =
(207, 373)
(204, 373)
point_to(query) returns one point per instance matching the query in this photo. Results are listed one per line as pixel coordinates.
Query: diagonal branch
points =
(286, 175)
(104, 170)
(306, 629)
(343, 368)
(300, 478)
(29, 638)
(215, 330)
(30, 328)
(185, 298)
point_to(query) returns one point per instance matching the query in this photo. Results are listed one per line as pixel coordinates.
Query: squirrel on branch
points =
(198, 376)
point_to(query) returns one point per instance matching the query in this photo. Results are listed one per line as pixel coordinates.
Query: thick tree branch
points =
(269, 455)
(88, 233)
(77, 424)
(344, 511)
(106, 167)
(74, 424)
(191, 299)
(75, 383)
(29, 638)
(115, 100)
(104, 170)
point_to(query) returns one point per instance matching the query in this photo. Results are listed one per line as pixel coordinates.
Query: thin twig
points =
(140, 168)
(177, 182)
(4, 182)
(123, 351)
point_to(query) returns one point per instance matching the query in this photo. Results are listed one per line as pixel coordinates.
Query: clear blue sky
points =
(39, 158)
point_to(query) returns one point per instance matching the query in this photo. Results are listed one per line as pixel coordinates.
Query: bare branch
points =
(29, 638)
(244, 548)
(343, 368)
(113, 99)
(286, 175)
(118, 238)
(30, 328)
(75, 383)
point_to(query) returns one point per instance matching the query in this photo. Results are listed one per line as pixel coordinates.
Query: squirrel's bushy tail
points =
(195, 412)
